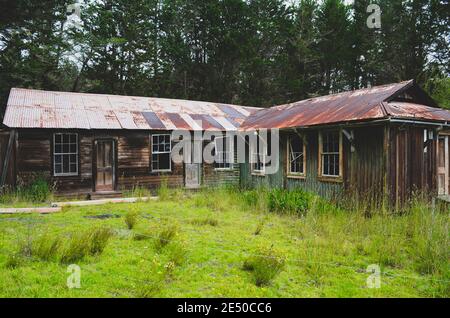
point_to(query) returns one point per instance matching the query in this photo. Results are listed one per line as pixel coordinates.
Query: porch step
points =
(104, 195)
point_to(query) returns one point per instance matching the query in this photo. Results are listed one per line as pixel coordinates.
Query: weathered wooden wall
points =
(411, 170)
(363, 169)
(132, 168)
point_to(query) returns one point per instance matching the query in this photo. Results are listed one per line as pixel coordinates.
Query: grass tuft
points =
(265, 264)
(131, 219)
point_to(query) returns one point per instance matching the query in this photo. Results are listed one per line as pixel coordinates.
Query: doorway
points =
(443, 166)
(105, 165)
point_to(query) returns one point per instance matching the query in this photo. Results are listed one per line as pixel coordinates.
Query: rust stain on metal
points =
(29, 108)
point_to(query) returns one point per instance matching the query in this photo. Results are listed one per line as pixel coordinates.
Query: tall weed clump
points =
(166, 235)
(38, 191)
(291, 202)
(131, 219)
(80, 245)
(163, 191)
(265, 264)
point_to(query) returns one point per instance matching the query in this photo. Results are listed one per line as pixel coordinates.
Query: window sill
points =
(258, 174)
(296, 176)
(161, 171)
(66, 175)
(331, 179)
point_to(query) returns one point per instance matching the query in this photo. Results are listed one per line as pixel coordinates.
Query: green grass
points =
(224, 243)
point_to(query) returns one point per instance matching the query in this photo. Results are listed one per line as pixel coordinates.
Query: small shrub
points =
(165, 236)
(265, 264)
(206, 221)
(98, 239)
(177, 254)
(131, 219)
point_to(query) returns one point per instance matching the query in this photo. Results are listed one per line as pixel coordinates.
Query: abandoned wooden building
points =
(389, 140)
(87, 144)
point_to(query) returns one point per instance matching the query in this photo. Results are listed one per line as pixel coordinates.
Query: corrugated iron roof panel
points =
(363, 104)
(45, 109)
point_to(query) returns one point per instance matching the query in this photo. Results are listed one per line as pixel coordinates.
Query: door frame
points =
(194, 143)
(94, 162)
(199, 169)
(446, 164)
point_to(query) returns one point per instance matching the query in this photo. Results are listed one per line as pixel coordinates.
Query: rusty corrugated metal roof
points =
(358, 105)
(29, 108)
(416, 111)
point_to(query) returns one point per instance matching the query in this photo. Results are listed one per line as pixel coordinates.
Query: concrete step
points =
(104, 195)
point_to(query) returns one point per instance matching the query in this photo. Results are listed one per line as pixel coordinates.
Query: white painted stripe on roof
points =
(225, 123)
(191, 122)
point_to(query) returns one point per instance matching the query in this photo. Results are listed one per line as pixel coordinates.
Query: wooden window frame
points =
(230, 153)
(160, 152)
(321, 175)
(258, 152)
(62, 153)
(289, 173)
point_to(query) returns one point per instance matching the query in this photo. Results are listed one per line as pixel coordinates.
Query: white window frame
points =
(259, 154)
(230, 152)
(339, 153)
(291, 173)
(62, 153)
(160, 152)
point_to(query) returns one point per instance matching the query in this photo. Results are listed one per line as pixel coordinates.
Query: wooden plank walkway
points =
(101, 201)
(57, 206)
(39, 210)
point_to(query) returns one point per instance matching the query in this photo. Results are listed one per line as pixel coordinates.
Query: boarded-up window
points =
(223, 148)
(296, 155)
(330, 154)
(65, 154)
(161, 149)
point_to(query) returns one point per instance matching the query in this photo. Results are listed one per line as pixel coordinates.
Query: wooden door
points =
(104, 176)
(192, 169)
(192, 175)
(443, 166)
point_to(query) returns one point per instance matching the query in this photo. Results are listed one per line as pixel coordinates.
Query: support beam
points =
(7, 157)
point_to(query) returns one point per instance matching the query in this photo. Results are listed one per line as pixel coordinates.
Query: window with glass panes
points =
(65, 154)
(223, 147)
(296, 155)
(330, 154)
(259, 155)
(161, 148)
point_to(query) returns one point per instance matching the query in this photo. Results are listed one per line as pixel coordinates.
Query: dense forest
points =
(248, 52)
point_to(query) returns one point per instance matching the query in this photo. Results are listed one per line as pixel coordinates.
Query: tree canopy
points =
(248, 52)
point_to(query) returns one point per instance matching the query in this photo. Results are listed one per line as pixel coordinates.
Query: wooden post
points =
(7, 157)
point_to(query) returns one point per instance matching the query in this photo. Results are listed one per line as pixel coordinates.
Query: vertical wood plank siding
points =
(133, 167)
(385, 160)
(411, 170)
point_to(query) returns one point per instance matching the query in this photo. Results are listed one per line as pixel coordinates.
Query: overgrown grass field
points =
(225, 243)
